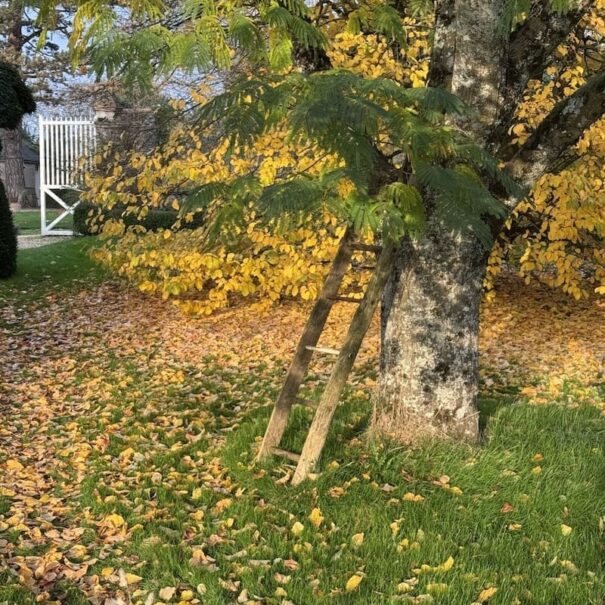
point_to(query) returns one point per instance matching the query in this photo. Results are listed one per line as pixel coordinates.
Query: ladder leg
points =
(329, 401)
(302, 357)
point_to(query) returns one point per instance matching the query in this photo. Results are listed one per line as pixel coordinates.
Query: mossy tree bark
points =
(430, 311)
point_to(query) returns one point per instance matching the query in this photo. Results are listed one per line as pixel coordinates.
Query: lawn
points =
(127, 470)
(63, 265)
(28, 221)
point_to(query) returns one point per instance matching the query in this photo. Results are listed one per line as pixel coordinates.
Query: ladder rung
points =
(325, 350)
(366, 247)
(285, 454)
(364, 267)
(348, 299)
(308, 403)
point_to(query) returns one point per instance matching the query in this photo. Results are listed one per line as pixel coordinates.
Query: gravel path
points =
(36, 241)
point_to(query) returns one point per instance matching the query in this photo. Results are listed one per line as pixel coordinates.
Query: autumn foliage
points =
(555, 235)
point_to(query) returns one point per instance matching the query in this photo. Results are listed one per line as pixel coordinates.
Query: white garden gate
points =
(66, 149)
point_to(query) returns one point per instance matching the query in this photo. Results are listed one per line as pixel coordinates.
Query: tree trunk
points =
(14, 169)
(430, 323)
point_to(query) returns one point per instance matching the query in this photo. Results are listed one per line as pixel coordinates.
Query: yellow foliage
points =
(267, 264)
(556, 232)
(552, 236)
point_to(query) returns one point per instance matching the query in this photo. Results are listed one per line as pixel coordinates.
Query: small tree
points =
(15, 101)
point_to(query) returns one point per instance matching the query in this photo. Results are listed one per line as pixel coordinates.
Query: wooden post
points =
(302, 357)
(329, 401)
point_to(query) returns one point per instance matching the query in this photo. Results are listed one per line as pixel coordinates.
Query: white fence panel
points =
(66, 149)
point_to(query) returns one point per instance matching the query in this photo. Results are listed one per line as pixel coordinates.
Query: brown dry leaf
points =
(167, 593)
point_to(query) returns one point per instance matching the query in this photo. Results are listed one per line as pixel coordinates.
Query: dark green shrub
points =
(8, 237)
(15, 98)
(15, 101)
(154, 221)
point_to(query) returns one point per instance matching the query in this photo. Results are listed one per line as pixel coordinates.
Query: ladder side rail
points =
(302, 357)
(328, 403)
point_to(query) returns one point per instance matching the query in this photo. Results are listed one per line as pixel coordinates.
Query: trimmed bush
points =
(15, 101)
(154, 221)
(15, 98)
(8, 237)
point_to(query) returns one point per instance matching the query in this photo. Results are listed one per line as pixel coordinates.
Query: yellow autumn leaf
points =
(486, 594)
(316, 517)
(565, 529)
(410, 497)
(403, 587)
(297, 528)
(353, 582)
(14, 465)
(357, 539)
(107, 571)
(114, 519)
(78, 551)
(446, 565)
(132, 578)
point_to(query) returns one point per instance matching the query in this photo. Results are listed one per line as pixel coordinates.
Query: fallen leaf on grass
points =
(167, 593)
(316, 517)
(486, 594)
(353, 583)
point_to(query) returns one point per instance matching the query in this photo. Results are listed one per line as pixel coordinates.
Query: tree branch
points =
(530, 48)
(551, 148)
(441, 66)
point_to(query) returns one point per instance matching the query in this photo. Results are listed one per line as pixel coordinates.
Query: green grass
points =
(523, 553)
(28, 221)
(55, 267)
(499, 516)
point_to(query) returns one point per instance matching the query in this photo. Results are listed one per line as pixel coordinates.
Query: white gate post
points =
(42, 188)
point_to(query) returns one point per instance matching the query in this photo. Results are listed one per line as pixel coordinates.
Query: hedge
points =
(8, 237)
(154, 221)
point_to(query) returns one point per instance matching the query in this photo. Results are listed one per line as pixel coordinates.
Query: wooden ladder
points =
(307, 345)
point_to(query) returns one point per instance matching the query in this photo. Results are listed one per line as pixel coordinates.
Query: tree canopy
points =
(337, 119)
